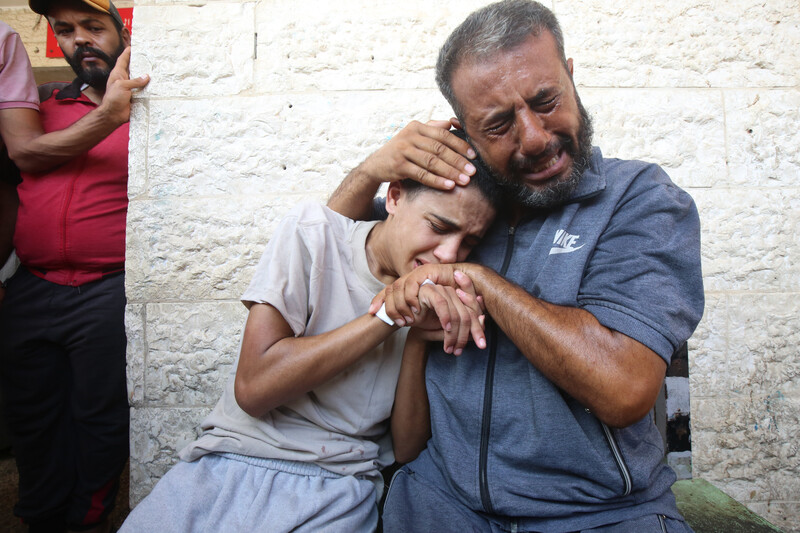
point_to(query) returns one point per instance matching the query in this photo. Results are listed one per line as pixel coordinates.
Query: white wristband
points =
(383, 316)
(382, 311)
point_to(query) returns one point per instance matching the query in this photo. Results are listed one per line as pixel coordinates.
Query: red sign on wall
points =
(52, 45)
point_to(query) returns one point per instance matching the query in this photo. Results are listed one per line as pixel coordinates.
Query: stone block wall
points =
(255, 105)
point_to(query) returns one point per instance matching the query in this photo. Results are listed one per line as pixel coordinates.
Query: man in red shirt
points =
(62, 336)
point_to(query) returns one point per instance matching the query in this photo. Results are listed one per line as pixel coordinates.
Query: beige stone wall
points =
(256, 105)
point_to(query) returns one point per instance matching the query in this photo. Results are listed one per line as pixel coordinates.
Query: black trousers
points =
(62, 371)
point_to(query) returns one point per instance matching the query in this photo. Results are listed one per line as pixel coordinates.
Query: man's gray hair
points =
(491, 29)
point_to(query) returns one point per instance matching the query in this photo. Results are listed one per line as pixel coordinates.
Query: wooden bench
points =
(709, 510)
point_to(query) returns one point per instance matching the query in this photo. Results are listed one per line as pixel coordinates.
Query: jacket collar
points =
(593, 182)
(73, 91)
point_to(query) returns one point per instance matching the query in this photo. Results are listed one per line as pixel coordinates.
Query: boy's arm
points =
(411, 419)
(276, 367)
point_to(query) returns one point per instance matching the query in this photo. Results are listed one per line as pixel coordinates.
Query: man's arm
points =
(614, 376)
(427, 153)
(33, 150)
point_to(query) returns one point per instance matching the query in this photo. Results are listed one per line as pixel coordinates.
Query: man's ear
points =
(394, 194)
(126, 36)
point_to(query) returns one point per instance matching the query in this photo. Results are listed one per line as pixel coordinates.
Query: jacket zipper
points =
(623, 468)
(486, 499)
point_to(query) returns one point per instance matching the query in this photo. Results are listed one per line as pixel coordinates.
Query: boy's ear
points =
(394, 194)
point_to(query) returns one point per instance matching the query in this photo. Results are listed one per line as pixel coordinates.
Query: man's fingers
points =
(122, 64)
(441, 124)
(477, 331)
(464, 282)
(401, 296)
(135, 83)
(443, 144)
(464, 324)
(444, 136)
(433, 163)
(377, 302)
(448, 315)
(470, 302)
(468, 294)
(409, 169)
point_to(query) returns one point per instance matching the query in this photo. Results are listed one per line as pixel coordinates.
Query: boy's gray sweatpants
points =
(234, 493)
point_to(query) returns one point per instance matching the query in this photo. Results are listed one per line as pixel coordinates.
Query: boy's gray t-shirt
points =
(315, 272)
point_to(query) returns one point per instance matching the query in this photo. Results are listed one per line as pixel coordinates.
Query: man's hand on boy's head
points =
(427, 153)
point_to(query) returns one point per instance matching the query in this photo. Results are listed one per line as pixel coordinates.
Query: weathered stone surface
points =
(765, 334)
(324, 46)
(750, 238)
(157, 435)
(682, 43)
(136, 360)
(708, 344)
(191, 351)
(137, 148)
(785, 515)
(683, 131)
(274, 145)
(748, 445)
(763, 137)
(189, 51)
(198, 249)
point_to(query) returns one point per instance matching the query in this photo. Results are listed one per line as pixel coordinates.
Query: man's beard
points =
(557, 193)
(93, 75)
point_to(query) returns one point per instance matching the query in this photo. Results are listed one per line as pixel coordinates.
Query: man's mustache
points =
(88, 50)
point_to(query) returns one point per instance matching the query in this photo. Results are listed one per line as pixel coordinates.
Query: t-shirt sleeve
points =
(17, 85)
(644, 279)
(283, 273)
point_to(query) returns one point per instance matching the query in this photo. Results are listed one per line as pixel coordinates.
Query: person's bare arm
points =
(428, 153)
(614, 376)
(33, 150)
(276, 367)
(411, 419)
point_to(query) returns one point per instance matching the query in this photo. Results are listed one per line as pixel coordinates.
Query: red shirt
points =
(71, 220)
